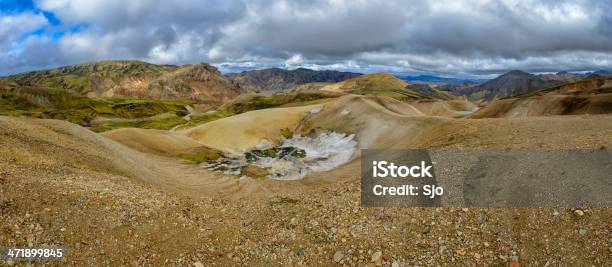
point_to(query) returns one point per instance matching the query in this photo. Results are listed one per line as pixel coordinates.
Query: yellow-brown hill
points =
(200, 82)
(385, 84)
(592, 95)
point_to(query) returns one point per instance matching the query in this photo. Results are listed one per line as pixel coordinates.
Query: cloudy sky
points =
(449, 37)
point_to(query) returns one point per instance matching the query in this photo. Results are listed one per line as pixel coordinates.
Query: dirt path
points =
(191, 111)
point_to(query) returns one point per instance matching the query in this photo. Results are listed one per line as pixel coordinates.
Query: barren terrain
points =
(125, 198)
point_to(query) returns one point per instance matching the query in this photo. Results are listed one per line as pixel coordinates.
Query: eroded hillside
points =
(201, 82)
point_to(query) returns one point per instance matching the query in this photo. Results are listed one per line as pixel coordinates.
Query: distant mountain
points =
(512, 83)
(276, 79)
(605, 73)
(385, 84)
(562, 76)
(430, 79)
(591, 95)
(593, 84)
(428, 91)
(374, 81)
(200, 82)
(455, 89)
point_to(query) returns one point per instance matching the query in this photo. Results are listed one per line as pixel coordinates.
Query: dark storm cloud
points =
(166, 35)
(459, 37)
(318, 29)
(498, 29)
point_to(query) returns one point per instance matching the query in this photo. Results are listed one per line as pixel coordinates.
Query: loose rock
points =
(338, 256)
(579, 212)
(377, 257)
(426, 230)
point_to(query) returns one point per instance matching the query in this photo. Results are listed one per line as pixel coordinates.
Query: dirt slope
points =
(244, 131)
(372, 119)
(109, 204)
(377, 126)
(547, 105)
(58, 143)
(159, 142)
(449, 108)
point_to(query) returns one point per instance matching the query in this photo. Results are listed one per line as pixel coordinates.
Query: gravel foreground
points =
(58, 187)
(109, 220)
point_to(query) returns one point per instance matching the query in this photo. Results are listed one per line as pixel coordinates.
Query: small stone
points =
(198, 264)
(338, 256)
(293, 222)
(582, 231)
(460, 252)
(610, 249)
(465, 209)
(579, 212)
(9, 262)
(426, 230)
(377, 257)
(395, 264)
(514, 262)
(555, 213)
(486, 244)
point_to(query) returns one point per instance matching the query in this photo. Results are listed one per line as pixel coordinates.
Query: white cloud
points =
(15, 39)
(14, 26)
(461, 36)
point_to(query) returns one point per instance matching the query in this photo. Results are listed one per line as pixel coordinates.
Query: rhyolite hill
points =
(512, 83)
(201, 83)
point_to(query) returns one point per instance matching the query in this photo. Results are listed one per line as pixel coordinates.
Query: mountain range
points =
(562, 76)
(590, 95)
(276, 79)
(385, 84)
(202, 83)
(430, 79)
(512, 83)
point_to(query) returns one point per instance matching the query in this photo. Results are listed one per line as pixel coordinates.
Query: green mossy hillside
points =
(49, 103)
(201, 155)
(255, 102)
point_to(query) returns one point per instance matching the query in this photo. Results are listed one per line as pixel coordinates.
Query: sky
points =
(454, 38)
